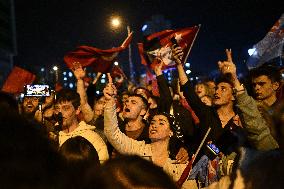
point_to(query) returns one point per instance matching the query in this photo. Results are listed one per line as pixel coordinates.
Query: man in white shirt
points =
(68, 103)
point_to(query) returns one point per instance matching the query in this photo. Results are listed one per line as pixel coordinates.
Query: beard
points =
(29, 114)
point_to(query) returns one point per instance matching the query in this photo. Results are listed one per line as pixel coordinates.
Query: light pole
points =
(55, 69)
(116, 23)
(131, 70)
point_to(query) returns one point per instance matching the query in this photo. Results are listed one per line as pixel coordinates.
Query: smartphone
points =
(37, 90)
(174, 41)
(213, 148)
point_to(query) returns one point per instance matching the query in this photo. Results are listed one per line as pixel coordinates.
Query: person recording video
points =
(37, 106)
(36, 99)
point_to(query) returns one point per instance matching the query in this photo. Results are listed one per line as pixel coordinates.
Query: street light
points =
(55, 68)
(116, 22)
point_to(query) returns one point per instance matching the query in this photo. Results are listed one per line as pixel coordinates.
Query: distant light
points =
(196, 78)
(169, 74)
(42, 69)
(98, 92)
(89, 74)
(22, 95)
(282, 75)
(188, 71)
(64, 73)
(71, 85)
(187, 65)
(65, 78)
(116, 63)
(145, 26)
(94, 74)
(55, 68)
(115, 22)
(252, 51)
(65, 84)
(191, 79)
(70, 74)
(104, 76)
(103, 81)
(169, 78)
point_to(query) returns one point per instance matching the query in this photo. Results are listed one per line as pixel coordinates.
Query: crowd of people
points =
(224, 132)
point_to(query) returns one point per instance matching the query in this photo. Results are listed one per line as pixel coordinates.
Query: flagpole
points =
(191, 44)
(131, 71)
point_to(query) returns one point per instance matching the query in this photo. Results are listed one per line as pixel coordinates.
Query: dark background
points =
(47, 29)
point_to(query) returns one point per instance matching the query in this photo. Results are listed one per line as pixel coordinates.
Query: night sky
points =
(47, 29)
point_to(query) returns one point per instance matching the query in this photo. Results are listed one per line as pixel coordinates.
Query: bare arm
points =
(177, 53)
(119, 140)
(197, 105)
(86, 109)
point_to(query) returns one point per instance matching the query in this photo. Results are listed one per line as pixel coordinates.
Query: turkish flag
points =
(100, 60)
(157, 47)
(17, 79)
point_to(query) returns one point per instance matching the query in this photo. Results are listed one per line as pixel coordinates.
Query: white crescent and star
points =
(165, 53)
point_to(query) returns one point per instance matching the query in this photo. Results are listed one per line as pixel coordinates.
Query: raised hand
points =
(49, 100)
(182, 156)
(78, 71)
(110, 90)
(177, 54)
(228, 67)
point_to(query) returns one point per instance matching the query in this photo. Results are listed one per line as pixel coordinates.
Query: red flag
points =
(116, 71)
(100, 60)
(118, 76)
(157, 46)
(185, 104)
(17, 79)
(150, 78)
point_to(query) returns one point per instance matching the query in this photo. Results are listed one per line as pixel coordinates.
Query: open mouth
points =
(29, 106)
(127, 110)
(216, 97)
(153, 131)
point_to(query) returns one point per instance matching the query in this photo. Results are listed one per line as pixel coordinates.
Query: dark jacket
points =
(182, 116)
(228, 138)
